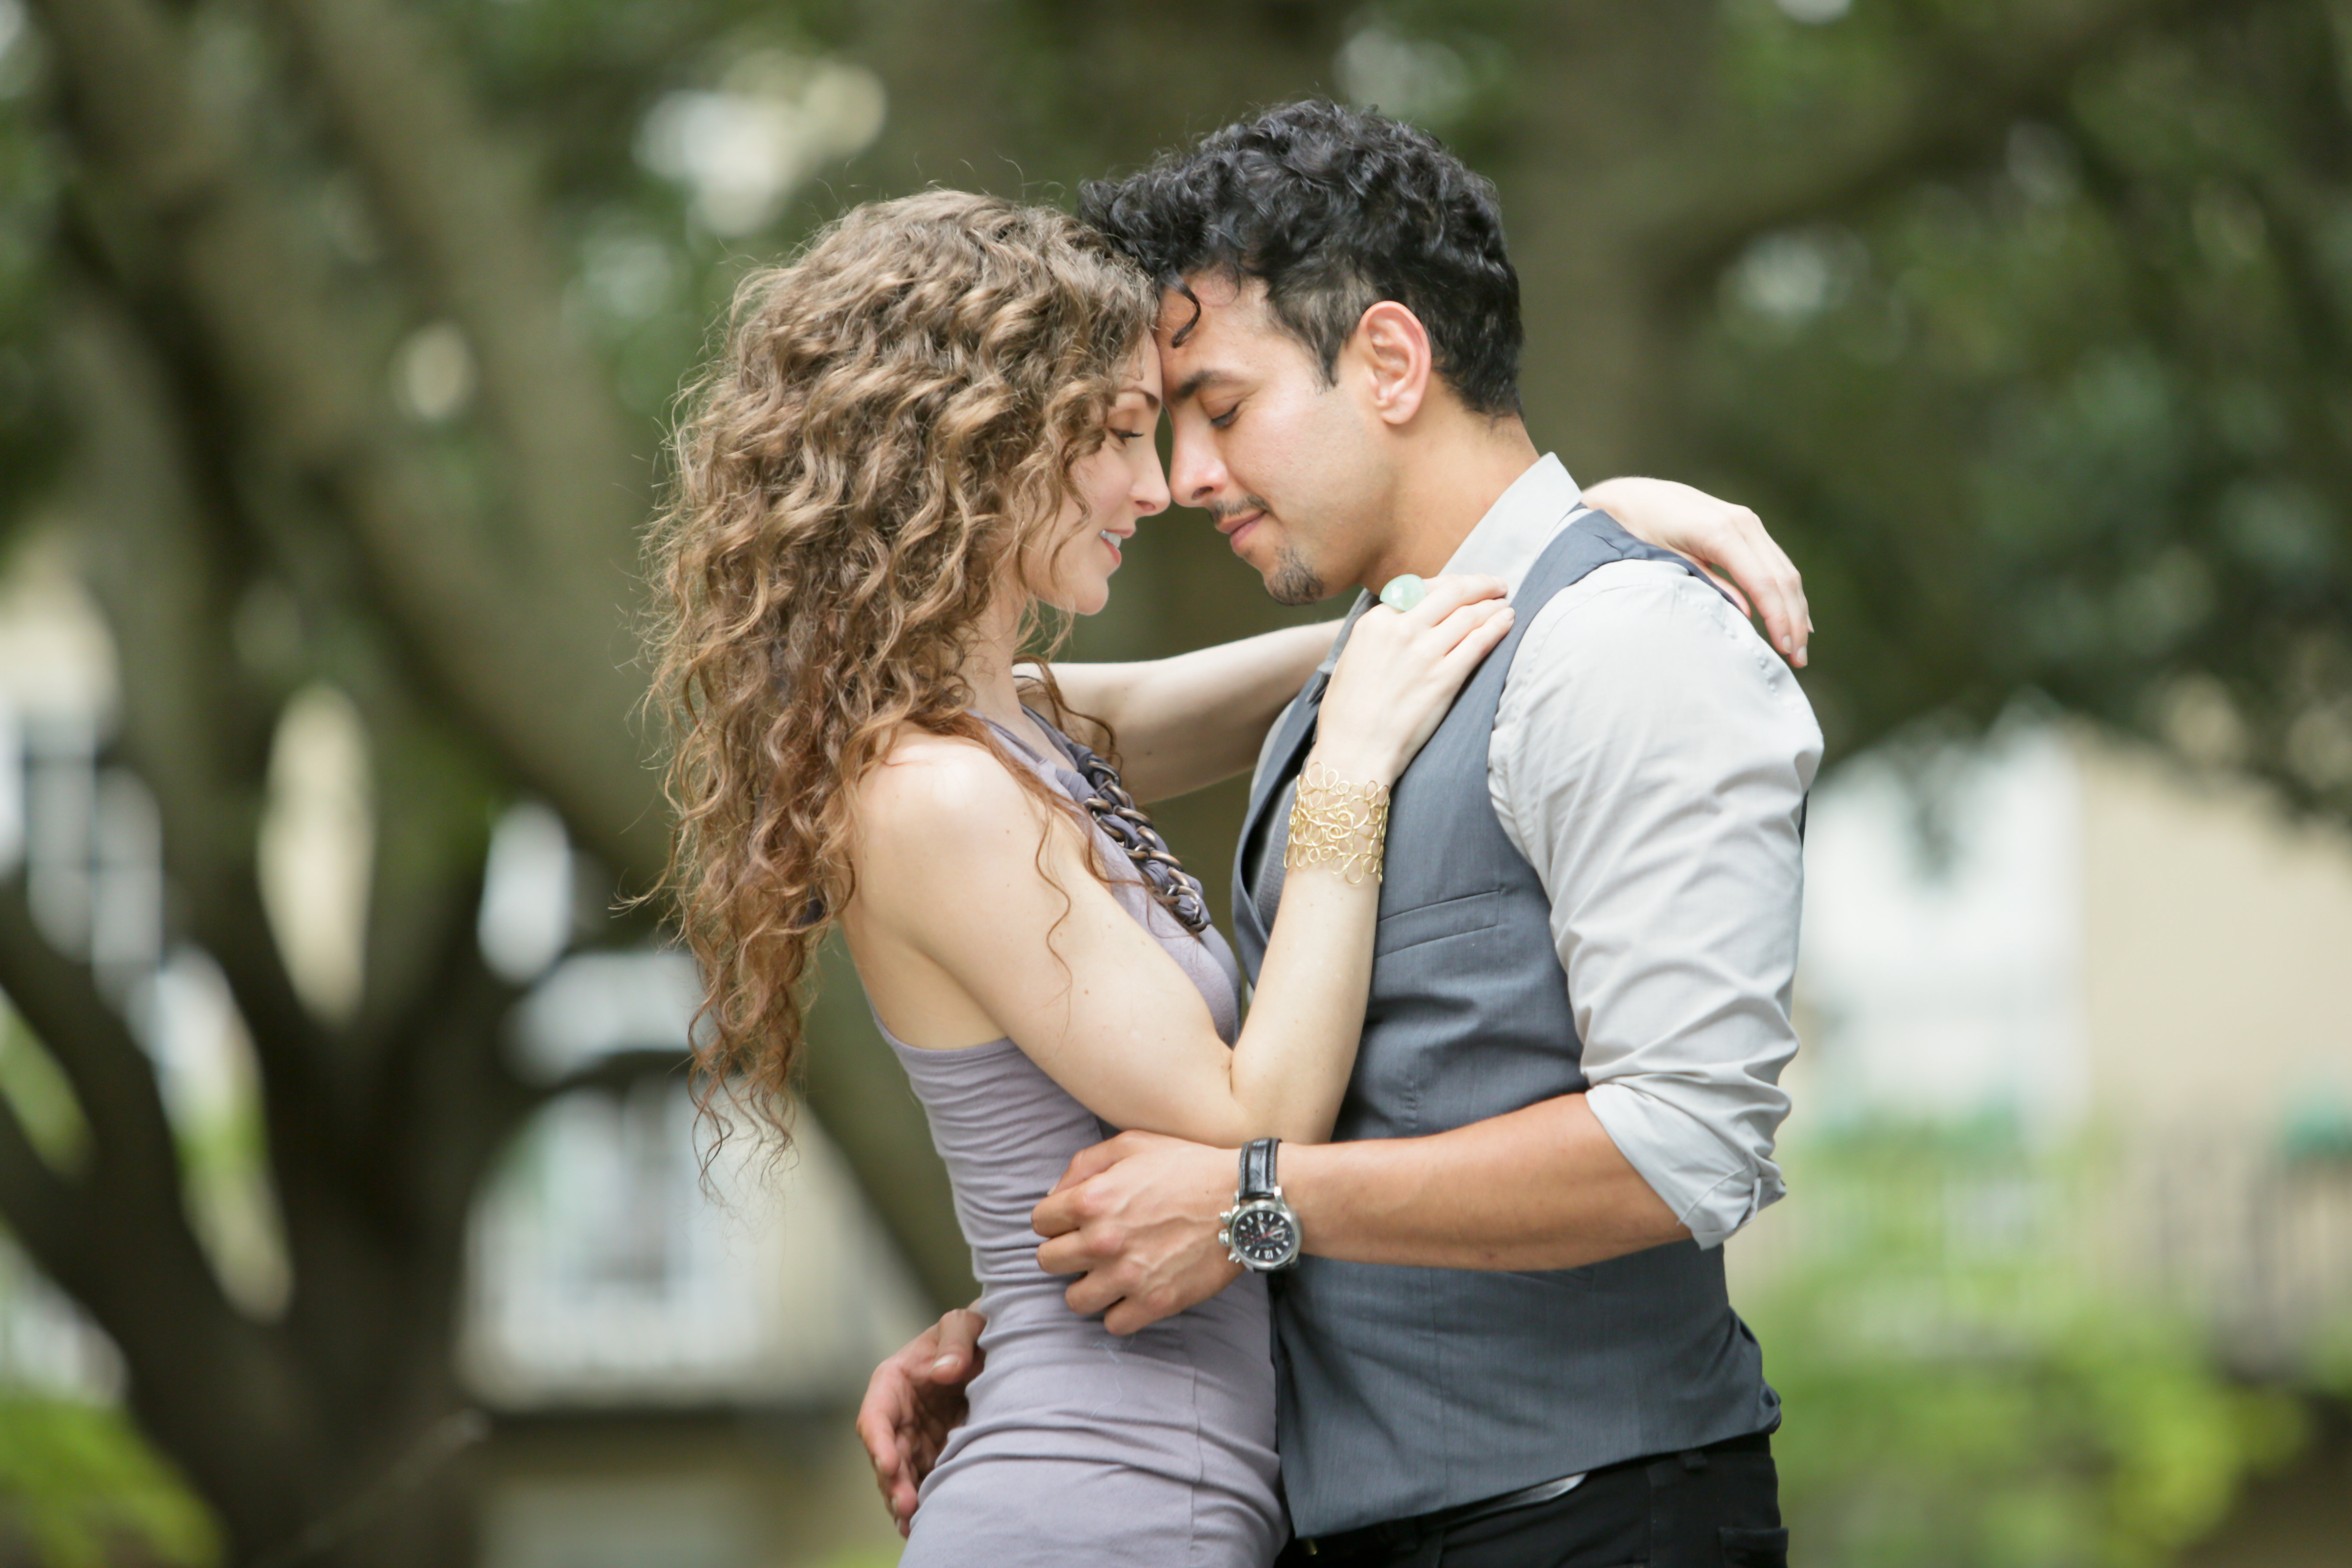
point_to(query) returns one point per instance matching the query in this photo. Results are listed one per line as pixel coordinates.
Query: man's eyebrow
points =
(1192, 383)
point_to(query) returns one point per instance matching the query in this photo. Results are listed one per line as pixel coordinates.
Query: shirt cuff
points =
(1710, 1187)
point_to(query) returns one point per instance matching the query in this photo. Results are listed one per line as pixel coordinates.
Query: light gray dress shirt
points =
(1651, 758)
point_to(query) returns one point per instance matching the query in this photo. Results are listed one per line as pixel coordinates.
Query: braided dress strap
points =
(1173, 888)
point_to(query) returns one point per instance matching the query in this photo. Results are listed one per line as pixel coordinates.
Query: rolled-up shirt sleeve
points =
(1651, 759)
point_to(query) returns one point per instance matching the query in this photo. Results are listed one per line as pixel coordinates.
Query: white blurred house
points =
(608, 1270)
(2084, 939)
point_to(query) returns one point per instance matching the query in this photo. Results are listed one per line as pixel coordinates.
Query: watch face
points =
(1264, 1236)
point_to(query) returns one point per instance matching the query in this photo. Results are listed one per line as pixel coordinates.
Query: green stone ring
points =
(1403, 593)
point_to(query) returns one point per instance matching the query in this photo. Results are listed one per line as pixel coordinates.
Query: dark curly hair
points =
(1334, 209)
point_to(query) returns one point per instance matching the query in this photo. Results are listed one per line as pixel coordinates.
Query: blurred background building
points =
(357, 1211)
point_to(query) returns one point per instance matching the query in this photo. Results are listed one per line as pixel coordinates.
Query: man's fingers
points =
(1055, 1215)
(880, 1433)
(1065, 1254)
(1092, 1293)
(1092, 1161)
(884, 1408)
(958, 1349)
(910, 1404)
(1063, 1209)
(1127, 1317)
(881, 1439)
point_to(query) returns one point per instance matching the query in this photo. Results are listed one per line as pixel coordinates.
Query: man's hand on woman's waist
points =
(1136, 1219)
(912, 1401)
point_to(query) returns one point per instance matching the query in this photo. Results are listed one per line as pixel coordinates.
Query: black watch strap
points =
(1257, 1169)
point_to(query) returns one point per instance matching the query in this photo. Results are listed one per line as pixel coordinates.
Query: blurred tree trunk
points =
(238, 433)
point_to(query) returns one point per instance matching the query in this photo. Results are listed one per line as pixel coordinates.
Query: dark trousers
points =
(1706, 1509)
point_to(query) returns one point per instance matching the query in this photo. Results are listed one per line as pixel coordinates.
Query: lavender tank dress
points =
(1086, 1448)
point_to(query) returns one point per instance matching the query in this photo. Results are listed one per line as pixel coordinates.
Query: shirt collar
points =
(1522, 521)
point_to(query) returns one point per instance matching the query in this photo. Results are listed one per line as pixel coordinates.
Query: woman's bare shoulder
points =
(936, 792)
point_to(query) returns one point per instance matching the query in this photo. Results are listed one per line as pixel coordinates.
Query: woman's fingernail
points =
(945, 1363)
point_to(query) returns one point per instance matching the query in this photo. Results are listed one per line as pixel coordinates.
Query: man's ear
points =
(1390, 351)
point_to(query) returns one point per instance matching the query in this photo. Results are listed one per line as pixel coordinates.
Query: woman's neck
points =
(988, 663)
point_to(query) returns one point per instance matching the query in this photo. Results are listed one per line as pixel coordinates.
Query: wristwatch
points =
(1260, 1232)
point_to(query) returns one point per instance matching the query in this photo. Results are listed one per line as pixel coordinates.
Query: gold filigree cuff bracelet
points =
(1336, 824)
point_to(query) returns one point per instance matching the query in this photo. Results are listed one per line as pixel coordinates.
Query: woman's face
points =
(1117, 484)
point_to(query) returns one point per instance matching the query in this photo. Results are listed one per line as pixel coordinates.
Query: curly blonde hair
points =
(885, 439)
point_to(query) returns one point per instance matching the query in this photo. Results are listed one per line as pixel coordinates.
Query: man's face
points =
(1290, 468)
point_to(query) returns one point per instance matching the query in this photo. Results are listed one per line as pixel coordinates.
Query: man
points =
(1506, 1339)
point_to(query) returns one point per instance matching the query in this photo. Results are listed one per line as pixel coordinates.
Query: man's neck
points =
(1452, 483)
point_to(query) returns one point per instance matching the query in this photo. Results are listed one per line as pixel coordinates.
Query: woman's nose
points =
(1151, 493)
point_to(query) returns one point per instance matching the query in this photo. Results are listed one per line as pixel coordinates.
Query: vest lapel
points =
(1298, 723)
(1291, 732)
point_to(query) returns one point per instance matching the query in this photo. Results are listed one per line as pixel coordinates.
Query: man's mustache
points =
(1220, 511)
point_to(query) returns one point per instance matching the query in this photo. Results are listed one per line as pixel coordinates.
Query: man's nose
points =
(1194, 474)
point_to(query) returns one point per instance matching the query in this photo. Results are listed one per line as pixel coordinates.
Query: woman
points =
(936, 422)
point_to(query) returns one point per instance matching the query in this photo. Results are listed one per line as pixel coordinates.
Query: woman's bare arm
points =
(952, 877)
(1186, 722)
(977, 915)
(1725, 538)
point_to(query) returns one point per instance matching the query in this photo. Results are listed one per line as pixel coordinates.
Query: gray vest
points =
(1405, 1389)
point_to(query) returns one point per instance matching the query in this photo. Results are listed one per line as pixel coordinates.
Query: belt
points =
(1394, 1533)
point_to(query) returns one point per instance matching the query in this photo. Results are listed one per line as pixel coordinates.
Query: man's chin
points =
(1290, 581)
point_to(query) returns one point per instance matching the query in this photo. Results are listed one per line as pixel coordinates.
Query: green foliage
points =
(76, 1479)
(1962, 1393)
(2069, 409)
(36, 1091)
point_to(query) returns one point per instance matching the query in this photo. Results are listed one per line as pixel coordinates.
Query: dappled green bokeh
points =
(1963, 1387)
(80, 1486)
